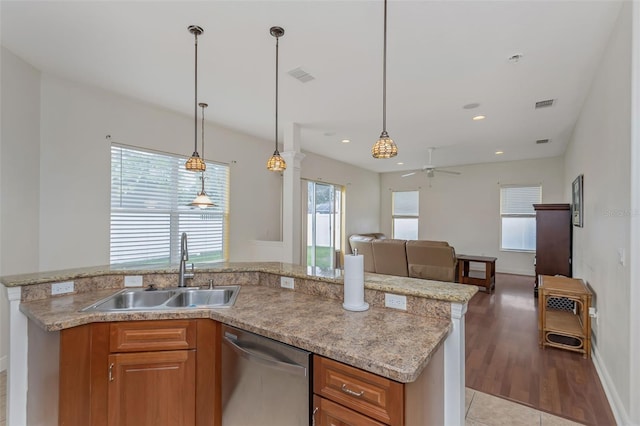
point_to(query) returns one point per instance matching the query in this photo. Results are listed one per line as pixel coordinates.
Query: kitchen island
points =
(393, 344)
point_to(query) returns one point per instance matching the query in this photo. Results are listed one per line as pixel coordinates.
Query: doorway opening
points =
(324, 225)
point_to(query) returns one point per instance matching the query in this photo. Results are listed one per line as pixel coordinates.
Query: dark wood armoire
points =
(553, 240)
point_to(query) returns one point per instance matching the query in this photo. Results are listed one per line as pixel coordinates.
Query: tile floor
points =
(487, 410)
(481, 410)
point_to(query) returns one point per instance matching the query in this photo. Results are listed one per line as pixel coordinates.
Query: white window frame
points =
(395, 216)
(518, 211)
(145, 228)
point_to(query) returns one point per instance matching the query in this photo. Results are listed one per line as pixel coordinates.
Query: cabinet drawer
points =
(329, 413)
(139, 336)
(372, 395)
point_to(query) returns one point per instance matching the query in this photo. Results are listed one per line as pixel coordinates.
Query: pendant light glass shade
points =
(202, 200)
(195, 163)
(384, 146)
(276, 163)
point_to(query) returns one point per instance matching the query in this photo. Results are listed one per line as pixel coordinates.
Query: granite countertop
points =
(436, 290)
(390, 343)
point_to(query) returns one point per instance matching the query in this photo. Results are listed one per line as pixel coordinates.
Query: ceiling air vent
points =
(544, 104)
(301, 75)
(540, 141)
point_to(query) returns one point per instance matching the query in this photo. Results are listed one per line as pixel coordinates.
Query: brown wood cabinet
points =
(140, 373)
(553, 240)
(348, 396)
(373, 396)
(331, 414)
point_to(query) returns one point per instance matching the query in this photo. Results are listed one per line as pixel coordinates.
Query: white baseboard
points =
(3, 363)
(619, 412)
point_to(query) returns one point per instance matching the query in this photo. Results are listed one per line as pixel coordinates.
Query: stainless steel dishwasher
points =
(264, 382)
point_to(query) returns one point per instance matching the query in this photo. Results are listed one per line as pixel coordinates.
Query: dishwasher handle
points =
(257, 357)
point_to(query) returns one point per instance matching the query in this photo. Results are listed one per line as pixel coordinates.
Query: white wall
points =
(19, 176)
(465, 210)
(75, 170)
(600, 150)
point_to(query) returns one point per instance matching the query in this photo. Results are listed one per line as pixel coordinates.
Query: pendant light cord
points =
(384, 73)
(203, 107)
(276, 138)
(195, 104)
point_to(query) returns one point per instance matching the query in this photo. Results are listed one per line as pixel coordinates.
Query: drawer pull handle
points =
(348, 391)
(111, 372)
(313, 416)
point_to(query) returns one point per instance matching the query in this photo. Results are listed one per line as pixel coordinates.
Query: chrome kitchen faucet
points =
(184, 256)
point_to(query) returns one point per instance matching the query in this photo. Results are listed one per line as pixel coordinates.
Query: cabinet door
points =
(152, 388)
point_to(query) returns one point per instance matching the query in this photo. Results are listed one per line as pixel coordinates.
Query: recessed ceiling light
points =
(399, 163)
(499, 152)
(346, 140)
(479, 117)
(471, 105)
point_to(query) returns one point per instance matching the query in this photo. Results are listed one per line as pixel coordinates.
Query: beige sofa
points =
(433, 260)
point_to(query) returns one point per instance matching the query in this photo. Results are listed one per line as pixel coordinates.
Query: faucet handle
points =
(192, 273)
(210, 284)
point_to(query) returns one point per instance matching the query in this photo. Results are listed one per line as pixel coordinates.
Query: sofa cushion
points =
(390, 257)
(362, 243)
(431, 261)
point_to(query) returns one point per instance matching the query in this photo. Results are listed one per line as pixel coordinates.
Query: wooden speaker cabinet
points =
(553, 240)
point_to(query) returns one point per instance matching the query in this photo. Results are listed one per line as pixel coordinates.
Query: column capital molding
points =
(293, 157)
(14, 293)
(458, 310)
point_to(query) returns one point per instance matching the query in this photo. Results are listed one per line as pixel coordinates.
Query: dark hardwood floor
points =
(503, 357)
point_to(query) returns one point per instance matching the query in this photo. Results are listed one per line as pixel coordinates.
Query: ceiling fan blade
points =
(447, 171)
(408, 174)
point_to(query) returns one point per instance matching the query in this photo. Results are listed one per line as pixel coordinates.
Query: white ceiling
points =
(441, 56)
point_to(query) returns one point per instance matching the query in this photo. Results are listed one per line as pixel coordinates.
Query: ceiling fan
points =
(430, 169)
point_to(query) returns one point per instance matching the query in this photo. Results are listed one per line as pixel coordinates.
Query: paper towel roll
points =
(354, 283)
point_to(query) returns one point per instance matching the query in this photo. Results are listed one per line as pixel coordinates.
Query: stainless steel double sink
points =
(175, 298)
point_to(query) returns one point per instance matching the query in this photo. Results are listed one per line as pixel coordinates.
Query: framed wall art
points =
(576, 206)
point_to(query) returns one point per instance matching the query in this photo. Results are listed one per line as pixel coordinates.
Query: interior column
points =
(291, 203)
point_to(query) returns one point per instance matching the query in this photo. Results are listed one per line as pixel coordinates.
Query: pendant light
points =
(195, 163)
(276, 163)
(384, 147)
(202, 200)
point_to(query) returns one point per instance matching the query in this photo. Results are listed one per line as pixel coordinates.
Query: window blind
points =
(150, 196)
(519, 200)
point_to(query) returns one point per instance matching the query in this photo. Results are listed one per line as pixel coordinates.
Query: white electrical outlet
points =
(287, 282)
(395, 301)
(62, 288)
(133, 281)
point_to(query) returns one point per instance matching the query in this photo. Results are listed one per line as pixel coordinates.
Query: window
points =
(518, 218)
(405, 215)
(150, 196)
